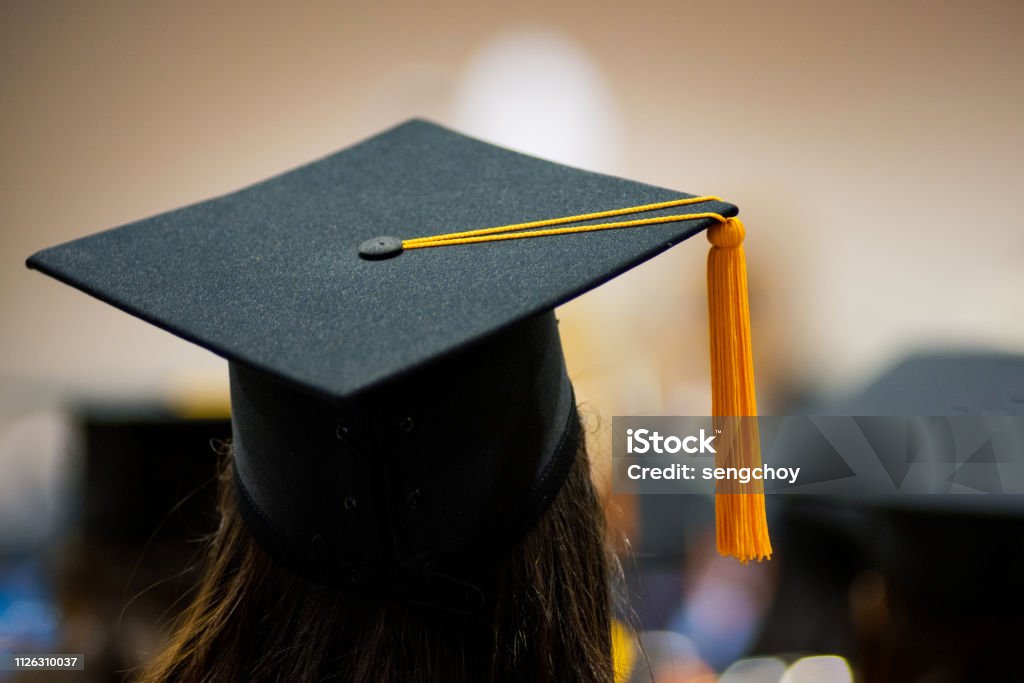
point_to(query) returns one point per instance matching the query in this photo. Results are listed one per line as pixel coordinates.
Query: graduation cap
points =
(952, 561)
(399, 395)
(960, 411)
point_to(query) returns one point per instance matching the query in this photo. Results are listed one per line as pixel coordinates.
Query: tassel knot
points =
(727, 234)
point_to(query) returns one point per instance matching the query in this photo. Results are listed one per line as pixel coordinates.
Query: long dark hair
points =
(548, 618)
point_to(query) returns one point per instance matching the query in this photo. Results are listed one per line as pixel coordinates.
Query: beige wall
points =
(875, 149)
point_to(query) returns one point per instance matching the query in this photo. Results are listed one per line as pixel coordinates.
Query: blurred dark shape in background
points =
(125, 564)
(912, 588)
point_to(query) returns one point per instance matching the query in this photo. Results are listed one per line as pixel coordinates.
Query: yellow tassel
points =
(740, 523)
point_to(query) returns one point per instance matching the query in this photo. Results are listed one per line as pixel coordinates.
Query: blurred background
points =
(874, 149)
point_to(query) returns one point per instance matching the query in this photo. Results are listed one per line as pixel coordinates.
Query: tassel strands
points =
(740, 521)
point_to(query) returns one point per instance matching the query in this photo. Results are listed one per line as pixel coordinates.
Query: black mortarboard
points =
(389, 414)
(941, 384)
(962, 411)
(953, 558)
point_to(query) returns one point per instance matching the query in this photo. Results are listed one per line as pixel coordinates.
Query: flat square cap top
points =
(271, 277)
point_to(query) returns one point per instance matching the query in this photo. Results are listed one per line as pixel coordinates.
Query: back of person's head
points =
(544, 616)
(442, 526)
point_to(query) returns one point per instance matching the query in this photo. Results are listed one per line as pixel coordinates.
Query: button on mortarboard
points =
(380, 247)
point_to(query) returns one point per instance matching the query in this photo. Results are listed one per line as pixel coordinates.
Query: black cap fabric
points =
(430, 476)
(271, 275)
(942, 383)
(353, 378)
(982, 391)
